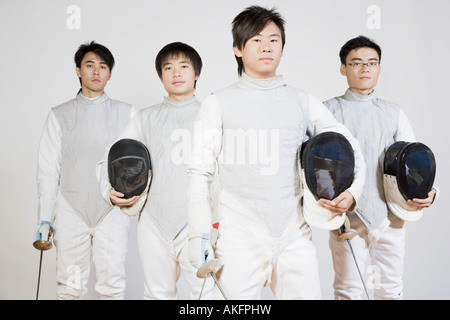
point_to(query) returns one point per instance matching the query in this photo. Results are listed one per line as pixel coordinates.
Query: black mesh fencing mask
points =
(409, 172)
(328, 165)
(129, 167)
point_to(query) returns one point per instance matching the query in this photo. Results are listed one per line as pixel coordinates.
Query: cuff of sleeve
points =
(46, 209)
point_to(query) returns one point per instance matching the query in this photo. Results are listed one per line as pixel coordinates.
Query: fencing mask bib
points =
(327, 169)
(409, 172)
(130, 172)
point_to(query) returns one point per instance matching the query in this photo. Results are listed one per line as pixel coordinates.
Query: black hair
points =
(100, 50)
(96, 48)
(249, 23)
(356, 43)
(175, 49)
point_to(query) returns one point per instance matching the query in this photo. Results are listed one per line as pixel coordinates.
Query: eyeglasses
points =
(359, 65)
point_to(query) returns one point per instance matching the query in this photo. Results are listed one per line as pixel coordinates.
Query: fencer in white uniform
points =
(73, 141)
(253, 130)
(377, 124)
(166, 130)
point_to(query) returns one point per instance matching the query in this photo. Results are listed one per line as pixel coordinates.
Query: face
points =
(178, 77)
(94, 74)
(361, 79)
(262, 53)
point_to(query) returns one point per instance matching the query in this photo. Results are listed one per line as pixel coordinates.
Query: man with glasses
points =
(376, 123)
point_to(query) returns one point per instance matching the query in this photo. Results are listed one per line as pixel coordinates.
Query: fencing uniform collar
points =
(170, 102)
(353, 96)
(248, 82)
(100, 99)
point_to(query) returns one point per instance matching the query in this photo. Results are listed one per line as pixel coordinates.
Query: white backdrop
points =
(39, 38)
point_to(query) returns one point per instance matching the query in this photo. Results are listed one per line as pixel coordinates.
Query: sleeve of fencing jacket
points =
(207, 142)
(48, 168)
(404, 129)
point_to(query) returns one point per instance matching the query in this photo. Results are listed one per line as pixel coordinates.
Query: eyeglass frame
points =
(359, 65)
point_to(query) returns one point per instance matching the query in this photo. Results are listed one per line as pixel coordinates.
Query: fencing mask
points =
(327, 169)
(409, 172)
(130, 172)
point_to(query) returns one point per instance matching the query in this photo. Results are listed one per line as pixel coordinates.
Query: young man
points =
(253, 130)
(377, 124)
(73, 141)
(166, 129)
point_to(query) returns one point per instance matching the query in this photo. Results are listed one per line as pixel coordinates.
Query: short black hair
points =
(356, 43)
(175, 49)
(100, 50)
(249, 23)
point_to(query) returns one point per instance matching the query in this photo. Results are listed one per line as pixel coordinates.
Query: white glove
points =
(43, 231)
(200, 250)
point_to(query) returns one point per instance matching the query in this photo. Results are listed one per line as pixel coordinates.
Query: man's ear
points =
(237, 52)
(343, 70)
(77, 70)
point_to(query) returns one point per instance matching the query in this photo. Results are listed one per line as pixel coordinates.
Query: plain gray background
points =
(39, 38)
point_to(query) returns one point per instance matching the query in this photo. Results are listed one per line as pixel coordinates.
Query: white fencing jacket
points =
(73, 140)
(253, 131)
(377, 124)
(166, 130)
